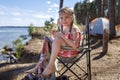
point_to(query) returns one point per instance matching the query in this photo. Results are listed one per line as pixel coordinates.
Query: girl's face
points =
(65, 19)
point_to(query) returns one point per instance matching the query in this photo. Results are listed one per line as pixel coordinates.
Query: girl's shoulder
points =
(76, 28)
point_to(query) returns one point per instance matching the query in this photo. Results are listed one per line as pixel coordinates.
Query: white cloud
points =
(23, 17)
(49, 9)
(48, 2)
(53, 8)
(2, 12)
(17, 19)
(16, 13)
(42, 16)
(2, 7)
(54, 5)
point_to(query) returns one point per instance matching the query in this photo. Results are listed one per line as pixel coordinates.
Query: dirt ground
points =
(106, 66)
(103, 66)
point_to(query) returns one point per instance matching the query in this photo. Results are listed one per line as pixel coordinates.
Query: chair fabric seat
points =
(67, 52)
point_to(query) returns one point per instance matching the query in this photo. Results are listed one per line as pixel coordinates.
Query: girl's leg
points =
(56, 46)
(43, 51)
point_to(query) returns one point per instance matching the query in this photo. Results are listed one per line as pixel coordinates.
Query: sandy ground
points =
(103, 66)
(106, 66)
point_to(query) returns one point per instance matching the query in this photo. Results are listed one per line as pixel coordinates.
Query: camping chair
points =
(69, 61)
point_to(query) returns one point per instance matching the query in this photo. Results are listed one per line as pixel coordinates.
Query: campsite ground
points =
(106, 66)
(103, 66)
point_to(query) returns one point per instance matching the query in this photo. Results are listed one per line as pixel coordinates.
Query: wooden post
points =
(105, 40)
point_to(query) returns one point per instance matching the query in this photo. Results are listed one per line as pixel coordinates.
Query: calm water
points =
(9, 34)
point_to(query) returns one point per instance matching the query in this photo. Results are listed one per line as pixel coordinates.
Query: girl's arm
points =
(73, 44)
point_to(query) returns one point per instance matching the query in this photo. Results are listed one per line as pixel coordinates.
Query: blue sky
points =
(25, 12)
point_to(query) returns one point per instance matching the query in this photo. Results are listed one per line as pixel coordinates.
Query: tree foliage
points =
(82, 9)
(49, 25)
(18, 45)
(31, 29)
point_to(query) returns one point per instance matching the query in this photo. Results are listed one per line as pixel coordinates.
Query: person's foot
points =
(34, 70)
(47, 72)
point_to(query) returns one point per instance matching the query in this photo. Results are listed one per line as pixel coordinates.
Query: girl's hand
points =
(59, 34)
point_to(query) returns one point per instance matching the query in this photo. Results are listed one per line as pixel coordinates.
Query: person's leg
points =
(56, 46)
(43, 52)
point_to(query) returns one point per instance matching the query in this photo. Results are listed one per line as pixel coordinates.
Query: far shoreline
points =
(19, 26)
(14, 26)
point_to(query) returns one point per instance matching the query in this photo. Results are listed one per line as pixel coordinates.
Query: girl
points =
(68, 36)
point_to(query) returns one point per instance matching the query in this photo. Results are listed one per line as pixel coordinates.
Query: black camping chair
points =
(70, 62)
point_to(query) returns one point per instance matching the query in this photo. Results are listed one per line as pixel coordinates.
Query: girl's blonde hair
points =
(67, 10)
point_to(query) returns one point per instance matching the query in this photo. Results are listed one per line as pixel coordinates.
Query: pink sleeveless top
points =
(69, 53)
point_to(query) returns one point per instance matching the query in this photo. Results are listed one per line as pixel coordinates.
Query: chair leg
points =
(88, 65)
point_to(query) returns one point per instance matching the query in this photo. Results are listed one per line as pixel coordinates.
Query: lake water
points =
(9, 34)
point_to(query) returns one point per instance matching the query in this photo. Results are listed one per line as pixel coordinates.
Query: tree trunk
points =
(118, 12)
(61, 4)
(105, 40)
(111, 9)
(99, 8)
(102, 8)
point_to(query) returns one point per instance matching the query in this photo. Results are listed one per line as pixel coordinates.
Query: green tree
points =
(31, 29)
(77, 12)
(18, 45)
(49, 25)
(81, 10)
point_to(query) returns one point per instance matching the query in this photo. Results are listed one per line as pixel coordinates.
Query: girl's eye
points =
(61, 18)
(66, 17)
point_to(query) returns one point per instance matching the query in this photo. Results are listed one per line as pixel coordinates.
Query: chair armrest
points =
(77, 49)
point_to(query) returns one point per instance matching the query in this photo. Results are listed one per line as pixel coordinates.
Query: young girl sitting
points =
(68, 36)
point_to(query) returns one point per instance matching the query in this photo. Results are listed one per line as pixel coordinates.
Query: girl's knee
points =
(57, 40)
